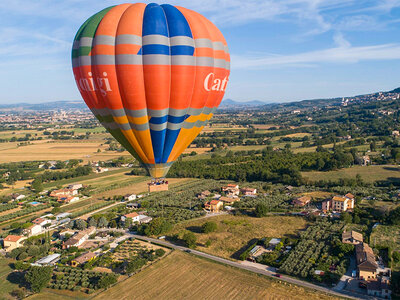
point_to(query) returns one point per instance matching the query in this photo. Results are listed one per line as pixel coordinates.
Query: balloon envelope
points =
(153, 75)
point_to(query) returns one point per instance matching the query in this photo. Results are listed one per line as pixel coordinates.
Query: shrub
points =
(209, 227)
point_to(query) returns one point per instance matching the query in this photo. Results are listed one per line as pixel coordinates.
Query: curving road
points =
(267, 271)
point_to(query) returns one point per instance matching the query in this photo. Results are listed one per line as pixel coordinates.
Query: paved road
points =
(249, 267)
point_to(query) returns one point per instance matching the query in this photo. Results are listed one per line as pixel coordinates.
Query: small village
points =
(94, 243)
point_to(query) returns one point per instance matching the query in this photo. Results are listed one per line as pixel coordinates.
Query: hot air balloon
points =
(153, 75)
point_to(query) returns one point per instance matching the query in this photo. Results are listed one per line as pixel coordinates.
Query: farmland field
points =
(385, 235)
(368, 173)
(183, 276)
(234, 232)
(45, 150)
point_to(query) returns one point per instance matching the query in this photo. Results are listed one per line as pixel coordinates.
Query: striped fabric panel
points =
(153, 76)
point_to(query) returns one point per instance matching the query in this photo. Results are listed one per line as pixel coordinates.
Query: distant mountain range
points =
(226, 104)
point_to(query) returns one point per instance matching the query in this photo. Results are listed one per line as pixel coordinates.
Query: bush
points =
(209, 227)
(190, 239)
(261, 210)
(396, 256)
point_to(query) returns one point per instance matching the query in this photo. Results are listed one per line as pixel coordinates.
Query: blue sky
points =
(281, 50)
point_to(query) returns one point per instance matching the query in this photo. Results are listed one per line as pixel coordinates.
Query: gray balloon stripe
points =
(107, 40)
(155, 39)
(151, 59)
(182, 41)
(190, 125)
(128, 39)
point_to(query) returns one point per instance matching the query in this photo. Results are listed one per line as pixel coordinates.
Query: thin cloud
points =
(344, 54)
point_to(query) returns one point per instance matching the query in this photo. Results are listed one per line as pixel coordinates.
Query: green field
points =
(368, 173)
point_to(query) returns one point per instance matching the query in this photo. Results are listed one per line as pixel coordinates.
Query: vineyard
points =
(318, 249)
(23, 212)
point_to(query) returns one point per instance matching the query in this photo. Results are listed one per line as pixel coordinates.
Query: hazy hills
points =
(226, 104)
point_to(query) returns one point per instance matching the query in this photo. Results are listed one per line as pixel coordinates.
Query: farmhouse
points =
(248, 191)
(352, 237)
(339, 203)
(33, 230)
(134, 205)
(63, 192)
(227, 200)
(79, 238)
(133, 216)
(143, 219)
(301, 201)
(84, 258)
(130, 197)
(41, 221)
(203, 195)
(232, 189)
(11, 242)
(67, 199)
(75, 186)
(214, 205)
(366, 264)
(379, 288)
(61, 216)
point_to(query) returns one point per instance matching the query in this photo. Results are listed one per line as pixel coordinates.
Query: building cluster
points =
(230, 194)
(336, 203)
(137, 218)
(381, 96)
(372, 276)
(68, 194)
(33, 118)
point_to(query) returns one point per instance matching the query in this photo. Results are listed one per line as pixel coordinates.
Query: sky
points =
(281, 50)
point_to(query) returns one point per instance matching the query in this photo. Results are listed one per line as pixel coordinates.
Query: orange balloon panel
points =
(153, 75)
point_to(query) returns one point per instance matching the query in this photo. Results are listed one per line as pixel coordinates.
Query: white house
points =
(133, 216)
(41, 221)
(130, 197)
(75, 186)
(33, 230)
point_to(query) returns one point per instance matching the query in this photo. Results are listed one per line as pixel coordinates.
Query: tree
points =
(157, 226)
(102, 222)
(37, 185)
(38, 277)
(92, 222)
(107, 280)
(209, 227)
(346, 217)
(396, 256)
(80, 224)
(190, 239)
(261, 210)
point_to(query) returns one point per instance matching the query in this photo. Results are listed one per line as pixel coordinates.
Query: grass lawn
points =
(368, 173)
(235, 232)
(184, 276)
(50, 294)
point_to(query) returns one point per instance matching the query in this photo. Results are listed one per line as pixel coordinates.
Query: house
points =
(134, 205)
(63, 192)
(101, 170)
(214, 205)
(49, 260)
(365, 260)
(11, 242)
(379, 288)
(79, 238)
(130, 197)
(61, 216)
(232, 189)
(143, 219)
(203, 195)
(301, 201)
(134, 216)
(274, 242)
(41, 221)
(75, 186)
(341, 204)
(33, 230)
(227, 200)
(20, 197)
(395, 133)
(366, 160)
(84, 258)
(352, 237)
(326, 205)
(67, 199)
(248, 191)
(66, 232)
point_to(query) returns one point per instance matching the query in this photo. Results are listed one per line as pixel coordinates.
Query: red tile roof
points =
(13, 238)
